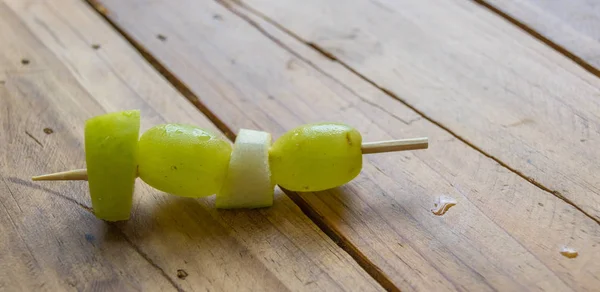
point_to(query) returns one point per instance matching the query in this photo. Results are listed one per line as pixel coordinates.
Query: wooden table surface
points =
(508, 93)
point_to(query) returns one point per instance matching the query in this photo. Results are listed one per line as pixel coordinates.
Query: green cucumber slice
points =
(111, 150)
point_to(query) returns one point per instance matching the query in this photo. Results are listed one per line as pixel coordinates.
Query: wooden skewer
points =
(395, 145)
(76, 174)
(367, 148)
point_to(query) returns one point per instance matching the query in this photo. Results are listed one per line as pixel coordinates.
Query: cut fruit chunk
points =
(248, 183)
(111, 143)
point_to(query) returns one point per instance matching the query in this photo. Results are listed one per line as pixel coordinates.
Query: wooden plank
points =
(573, 27)
(49, 240)
(503, 234)
(79, 67)
(462, 66)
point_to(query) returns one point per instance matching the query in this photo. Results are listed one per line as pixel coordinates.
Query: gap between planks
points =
(334, 234)
(333, 58)
(163, 71)
(532, 32)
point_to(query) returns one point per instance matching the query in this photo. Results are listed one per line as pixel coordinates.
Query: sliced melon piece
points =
(248, 183)
(111, 143)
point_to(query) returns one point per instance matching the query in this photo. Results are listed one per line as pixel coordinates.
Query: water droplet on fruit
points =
(201, 135)
(170, 129)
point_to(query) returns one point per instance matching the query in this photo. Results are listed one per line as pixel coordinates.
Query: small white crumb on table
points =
(442, 204)
(569, 252)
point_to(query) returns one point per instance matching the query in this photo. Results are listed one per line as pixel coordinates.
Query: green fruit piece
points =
(248, 182)
(316, 157)
(111, 157)
(183, 160)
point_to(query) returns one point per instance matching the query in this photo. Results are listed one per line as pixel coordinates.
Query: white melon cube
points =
(248, 182)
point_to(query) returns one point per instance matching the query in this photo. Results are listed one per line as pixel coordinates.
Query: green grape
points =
(183, 160)
(316, 157)
(111, 158)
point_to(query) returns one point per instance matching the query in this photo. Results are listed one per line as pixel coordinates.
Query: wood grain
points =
(504, 233)
(573, 27)
(492, 85)
(79, 67)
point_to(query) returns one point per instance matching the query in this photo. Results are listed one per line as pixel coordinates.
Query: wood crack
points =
(391, 94)
(323, 52)
(145, 256)
(579, 61)
(34, 139)
(166, 73)
(12, 195)
(48, 191)
(308, 62)
(343, 242)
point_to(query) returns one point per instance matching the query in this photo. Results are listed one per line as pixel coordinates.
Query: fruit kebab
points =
(188, 161)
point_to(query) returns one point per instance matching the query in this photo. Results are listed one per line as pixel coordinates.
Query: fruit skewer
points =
(367, 148)
(188, 161)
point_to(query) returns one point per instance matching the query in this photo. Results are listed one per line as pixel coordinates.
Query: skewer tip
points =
(77, 174)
